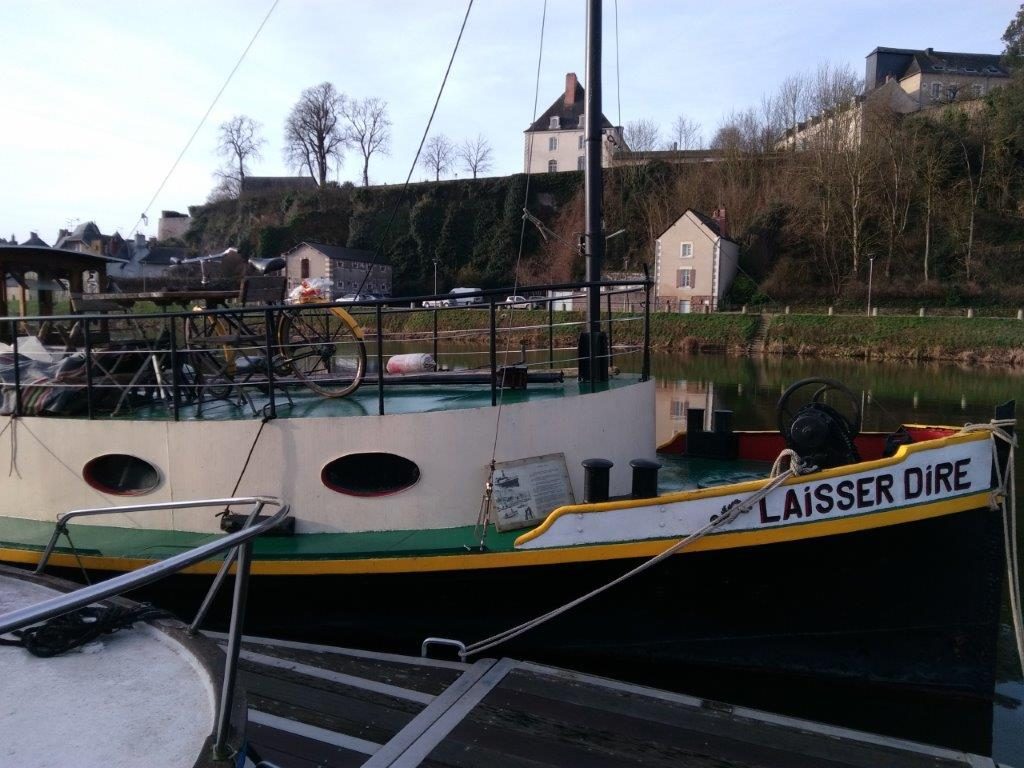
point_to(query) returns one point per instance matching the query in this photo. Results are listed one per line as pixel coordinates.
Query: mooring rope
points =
(796, 467)
(71, 630)
(1005, 498)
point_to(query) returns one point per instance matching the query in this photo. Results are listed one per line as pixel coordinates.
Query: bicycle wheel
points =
(324, 349)
(210, 359)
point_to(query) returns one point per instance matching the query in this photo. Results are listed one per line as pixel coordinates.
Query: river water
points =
(891, 393)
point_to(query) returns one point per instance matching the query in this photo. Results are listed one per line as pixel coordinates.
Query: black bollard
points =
(723, 422)
(645, 478)
(596, 473)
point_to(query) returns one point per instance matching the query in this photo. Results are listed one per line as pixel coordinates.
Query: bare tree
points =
(975, 177)
(313, 137)
(933, 157)
(641, 135)
(475, 155)
(238, 141)
(368, 127)
(893, 165)
(791, 103)
(226, 188)
(686, 133)
(438, 155)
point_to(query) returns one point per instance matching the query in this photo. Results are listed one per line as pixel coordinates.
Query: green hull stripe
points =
(108, 541)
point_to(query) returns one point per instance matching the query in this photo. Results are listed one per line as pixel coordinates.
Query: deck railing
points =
(255, 358)
(240, 546)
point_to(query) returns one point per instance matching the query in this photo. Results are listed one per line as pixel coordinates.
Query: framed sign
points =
(526, 490)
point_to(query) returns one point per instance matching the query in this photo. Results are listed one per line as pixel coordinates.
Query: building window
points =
(936, 90)
(685, 278)
(304, 269)
(554, 123)
(686, 250)
(581, 142)
(582, 123)
(552, 166)
(579, 163)
(553, 143)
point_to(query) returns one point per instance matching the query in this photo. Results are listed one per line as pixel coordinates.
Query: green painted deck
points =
(364, 402)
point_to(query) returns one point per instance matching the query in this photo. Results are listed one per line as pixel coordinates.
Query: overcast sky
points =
(98, 97)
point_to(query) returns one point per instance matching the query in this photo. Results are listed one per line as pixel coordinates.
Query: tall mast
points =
(593, 343)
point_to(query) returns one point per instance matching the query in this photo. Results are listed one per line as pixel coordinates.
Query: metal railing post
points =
(645, 369)
(172, 338)
(222, 574)
(435, 336)
(551, 333)
(89, 392)
(494, 352)
(380, 361)
(610, 345)
(268, 351)
(227, 692)
(17, 369)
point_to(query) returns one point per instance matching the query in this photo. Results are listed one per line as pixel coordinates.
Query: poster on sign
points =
(526, 490)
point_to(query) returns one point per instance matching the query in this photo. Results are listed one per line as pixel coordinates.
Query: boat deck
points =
(398, 399)
(312, 705)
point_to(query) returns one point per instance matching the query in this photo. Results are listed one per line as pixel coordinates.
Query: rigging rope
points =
(796, 467)
(202, 121)
(485, 503)
(416, 159)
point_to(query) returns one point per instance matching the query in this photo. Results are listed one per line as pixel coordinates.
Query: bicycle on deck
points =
(317, 345)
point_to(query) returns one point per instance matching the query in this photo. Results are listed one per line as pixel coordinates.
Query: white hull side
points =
(203, 459)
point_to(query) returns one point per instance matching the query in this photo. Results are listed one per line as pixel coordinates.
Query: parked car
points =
(518, 301)
(349, 298)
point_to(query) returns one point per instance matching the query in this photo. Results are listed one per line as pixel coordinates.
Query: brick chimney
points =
(721, 221)
(570, 89)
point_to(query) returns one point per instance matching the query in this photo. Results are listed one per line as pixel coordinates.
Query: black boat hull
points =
(912, 605)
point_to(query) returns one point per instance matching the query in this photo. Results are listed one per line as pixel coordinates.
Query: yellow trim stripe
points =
(554, 556)
(721, 491)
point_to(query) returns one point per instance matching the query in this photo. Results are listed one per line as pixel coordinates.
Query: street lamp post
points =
(435, 276)
(871, 272)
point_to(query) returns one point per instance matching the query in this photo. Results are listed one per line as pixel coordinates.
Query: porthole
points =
(121, 475)
(370, 474)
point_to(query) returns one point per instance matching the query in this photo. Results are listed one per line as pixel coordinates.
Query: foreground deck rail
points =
(240, 543)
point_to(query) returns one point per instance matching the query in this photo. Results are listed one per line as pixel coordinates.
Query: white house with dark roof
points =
(555, 141)
(349, 270)
(694, 262)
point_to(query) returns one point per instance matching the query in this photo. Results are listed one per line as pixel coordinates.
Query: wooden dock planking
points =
(315, 705)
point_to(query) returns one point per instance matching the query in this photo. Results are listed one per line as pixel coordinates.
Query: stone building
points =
(345, 268)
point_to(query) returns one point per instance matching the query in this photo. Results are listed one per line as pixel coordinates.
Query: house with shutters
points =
(349, 270)
(554, 142)
(695, 263)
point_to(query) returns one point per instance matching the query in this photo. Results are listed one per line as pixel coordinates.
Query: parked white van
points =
(459, 299)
